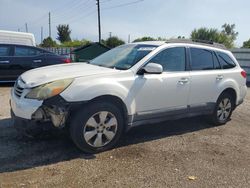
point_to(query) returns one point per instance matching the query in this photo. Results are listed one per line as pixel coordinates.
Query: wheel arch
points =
(232, 92)
(114, 100)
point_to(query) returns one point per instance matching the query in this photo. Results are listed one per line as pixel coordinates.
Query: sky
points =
(137, 18)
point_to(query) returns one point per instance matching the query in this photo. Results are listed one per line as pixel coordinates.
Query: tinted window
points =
(201, 59)
(216, 62)
(172, 59)
(4, 50)
(25, 51)
(225, 61)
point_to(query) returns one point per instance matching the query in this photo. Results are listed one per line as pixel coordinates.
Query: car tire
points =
(97, 127)
(223, 109)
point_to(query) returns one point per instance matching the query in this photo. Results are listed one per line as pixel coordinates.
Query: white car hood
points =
(39, 76)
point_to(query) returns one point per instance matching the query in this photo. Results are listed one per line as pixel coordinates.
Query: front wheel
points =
(97, 127)
(223, 109)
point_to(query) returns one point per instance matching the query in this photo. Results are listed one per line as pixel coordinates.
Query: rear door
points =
(26, 58)
(52, 59)
(6, 52)
(206, 75)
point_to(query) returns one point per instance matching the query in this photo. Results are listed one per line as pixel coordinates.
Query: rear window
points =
(225, 61)
(201, 59)
(4, 50)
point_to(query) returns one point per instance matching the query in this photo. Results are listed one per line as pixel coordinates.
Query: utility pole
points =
(49, 25)
(26, 27)
(99, 19)
(110, 34)
(129, 38)
(18, 29)
(41, 34)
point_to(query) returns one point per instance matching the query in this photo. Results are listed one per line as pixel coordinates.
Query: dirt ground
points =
(160, 155)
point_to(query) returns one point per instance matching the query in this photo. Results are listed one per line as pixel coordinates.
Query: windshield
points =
(123, 57)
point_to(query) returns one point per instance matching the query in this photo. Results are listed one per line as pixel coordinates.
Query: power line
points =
(75, 16)
(123, 5)
(72, 9)
(65, 6)
(81, 17)
(105, 1)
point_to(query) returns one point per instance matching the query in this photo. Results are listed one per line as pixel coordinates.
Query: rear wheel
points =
(97, 127)
(223, 109)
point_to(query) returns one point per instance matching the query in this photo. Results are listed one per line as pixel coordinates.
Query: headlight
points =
(49, 90)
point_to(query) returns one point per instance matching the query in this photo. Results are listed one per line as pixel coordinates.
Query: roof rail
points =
(197, 41)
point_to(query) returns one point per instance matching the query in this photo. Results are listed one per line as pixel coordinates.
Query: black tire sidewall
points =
(78, 124)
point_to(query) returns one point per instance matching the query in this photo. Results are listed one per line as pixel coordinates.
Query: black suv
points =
(16, 59)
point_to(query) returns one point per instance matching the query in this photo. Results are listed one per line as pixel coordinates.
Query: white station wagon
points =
(133, 84)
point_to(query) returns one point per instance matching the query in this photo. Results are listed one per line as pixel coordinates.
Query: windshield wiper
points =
(118, 68)
(87, 62)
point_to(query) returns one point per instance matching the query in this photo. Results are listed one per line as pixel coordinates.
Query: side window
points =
(26, 51)
(4, 50)
(201, 59)
(216, 62)
(225, 61)
(172, 59)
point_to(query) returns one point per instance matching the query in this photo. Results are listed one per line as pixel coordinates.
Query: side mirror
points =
(152, 68)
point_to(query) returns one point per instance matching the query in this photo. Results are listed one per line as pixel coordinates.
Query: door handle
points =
(219, 77)
(37, 61)
(4, 61)
(183, 81)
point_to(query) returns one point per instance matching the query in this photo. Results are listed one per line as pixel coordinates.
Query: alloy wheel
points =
(224, 109)
(100, 129)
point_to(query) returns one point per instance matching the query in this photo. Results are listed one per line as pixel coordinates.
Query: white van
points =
(12, 37)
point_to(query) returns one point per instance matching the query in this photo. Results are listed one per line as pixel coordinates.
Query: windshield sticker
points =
(146, 48)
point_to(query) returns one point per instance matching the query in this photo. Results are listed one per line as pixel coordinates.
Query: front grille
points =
(18, 90)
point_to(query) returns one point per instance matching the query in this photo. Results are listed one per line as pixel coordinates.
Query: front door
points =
(166, 93)
(5, 61)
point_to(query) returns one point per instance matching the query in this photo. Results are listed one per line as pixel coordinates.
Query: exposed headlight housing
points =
(49, 90)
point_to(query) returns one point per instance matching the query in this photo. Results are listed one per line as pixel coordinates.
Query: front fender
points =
(85, 91)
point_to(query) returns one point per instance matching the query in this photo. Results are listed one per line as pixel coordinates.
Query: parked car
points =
(16, 59)
(131, 85)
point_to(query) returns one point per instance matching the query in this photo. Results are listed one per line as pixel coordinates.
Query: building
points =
(89, 52)
(243, 57)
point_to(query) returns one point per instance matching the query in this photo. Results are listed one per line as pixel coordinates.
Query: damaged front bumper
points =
(56, 115)
(36, 114)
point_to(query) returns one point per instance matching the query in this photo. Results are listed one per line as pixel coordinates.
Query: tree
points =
(206, 34)
(144, 39)
(113, 42)
(229, 30)
(75, 43)
(63, 33)
(246, 44)
(48, 42)
(227, 36)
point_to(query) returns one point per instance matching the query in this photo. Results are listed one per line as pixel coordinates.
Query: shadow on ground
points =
(7, 84)
(18, 153)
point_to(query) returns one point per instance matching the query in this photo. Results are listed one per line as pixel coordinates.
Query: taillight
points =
(68, 60)
(244, 74)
